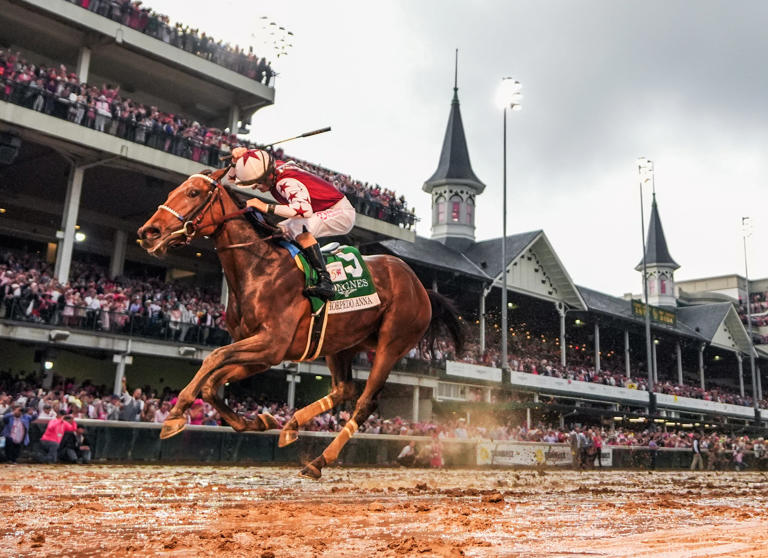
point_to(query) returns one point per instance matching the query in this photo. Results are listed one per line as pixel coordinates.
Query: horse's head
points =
(186, 213)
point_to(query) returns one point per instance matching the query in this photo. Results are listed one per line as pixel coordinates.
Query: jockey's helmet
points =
(252, 167)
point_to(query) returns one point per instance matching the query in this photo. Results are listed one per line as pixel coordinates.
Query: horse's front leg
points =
(257, 351)
(210, 393)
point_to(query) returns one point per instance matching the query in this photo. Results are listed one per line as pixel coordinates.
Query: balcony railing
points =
(158, 326)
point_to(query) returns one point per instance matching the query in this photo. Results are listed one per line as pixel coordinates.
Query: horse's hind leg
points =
(342, 389)
(210, 389)
(390, 351)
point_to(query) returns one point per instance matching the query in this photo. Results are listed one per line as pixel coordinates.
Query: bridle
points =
(191, 223)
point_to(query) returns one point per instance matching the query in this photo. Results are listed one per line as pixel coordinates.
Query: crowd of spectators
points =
(134, 14)
(67, 402)
(146, 307)
(529, 354)
(186, 313)
(57, 92)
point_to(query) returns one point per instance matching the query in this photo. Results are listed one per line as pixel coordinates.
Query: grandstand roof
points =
(656, 251)
(704, 318)
(622, 309)
(486, 253)
(454, 162)
(434, 254)
(482, 260)
(718, 323)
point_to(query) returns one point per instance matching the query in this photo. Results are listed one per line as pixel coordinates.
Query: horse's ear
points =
(216, 174)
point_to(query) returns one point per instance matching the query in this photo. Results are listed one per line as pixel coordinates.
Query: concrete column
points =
(561, 310)
(701, 364)
(121, 360)
(627, 368)
(759, 383)
(117, 261)
(679, 363)
(482, 321)
(68, 222)
(292, 380)
(741, 373)
(83, 63)
(233, 118)
(224, 290)
(415, 408)
(597, 348)
(488, 396)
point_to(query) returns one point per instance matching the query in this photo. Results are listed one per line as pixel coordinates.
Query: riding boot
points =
(311, 250)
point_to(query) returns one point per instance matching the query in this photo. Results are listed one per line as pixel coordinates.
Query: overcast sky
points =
(682, 83)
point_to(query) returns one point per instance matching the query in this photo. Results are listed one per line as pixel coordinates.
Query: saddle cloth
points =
(349, 273)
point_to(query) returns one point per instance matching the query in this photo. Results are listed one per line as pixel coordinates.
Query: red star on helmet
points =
(250, 153)
(300, 211)
(292, 196)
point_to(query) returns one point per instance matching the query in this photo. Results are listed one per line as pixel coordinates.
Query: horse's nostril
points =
(149, 233)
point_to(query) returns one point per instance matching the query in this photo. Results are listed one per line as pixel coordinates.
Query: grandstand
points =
(74, 191)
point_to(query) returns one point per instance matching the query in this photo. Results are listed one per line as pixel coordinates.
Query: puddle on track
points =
(115, 510)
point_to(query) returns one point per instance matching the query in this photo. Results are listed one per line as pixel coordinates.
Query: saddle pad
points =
(350, 276)
(351, 280)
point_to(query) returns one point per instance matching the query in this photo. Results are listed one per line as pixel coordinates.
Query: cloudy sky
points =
(680, 82)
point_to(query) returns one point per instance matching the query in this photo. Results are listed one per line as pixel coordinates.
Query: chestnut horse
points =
(268, 316)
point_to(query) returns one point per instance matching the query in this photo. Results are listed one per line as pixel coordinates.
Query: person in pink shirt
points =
(53, 433)
(197, 412)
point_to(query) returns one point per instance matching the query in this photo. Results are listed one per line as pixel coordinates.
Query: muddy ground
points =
(102, 510)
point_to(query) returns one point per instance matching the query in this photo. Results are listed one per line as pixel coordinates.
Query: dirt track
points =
(270, 511)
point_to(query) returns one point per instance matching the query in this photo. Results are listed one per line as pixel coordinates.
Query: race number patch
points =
(351, 280)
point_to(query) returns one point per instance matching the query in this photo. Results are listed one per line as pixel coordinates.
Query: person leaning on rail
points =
(311, 206)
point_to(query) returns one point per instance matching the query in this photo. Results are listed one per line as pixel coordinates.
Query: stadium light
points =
(645, 170)
(507, 96)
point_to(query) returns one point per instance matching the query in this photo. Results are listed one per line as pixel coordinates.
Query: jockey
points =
(311, 206)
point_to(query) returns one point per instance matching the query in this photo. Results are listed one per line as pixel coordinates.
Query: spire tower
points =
(660, 267)
(454, 186)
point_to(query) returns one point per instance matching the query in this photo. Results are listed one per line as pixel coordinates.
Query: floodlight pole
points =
(755, 394)
(504, 326)
(648, 347)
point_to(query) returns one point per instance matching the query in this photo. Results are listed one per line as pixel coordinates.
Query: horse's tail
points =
(444, 315)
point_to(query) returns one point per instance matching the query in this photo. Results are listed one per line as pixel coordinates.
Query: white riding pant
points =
(336, 220)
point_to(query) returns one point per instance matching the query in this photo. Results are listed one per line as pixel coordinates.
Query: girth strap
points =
(315, 334)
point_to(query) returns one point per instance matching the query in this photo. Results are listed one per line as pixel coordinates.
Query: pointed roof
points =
(656, 251)
(454, 166)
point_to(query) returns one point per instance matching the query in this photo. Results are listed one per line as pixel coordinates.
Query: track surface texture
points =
(103, 510)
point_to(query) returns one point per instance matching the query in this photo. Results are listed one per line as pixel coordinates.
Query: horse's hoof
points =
(311, 472)
(171, 427)
(269, 421)
(287, 437)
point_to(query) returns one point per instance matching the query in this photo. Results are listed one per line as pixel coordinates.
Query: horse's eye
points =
(193, 193)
